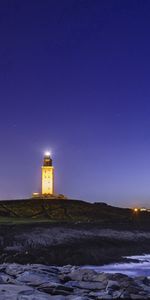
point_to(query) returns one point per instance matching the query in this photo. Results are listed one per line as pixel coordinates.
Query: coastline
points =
(68, 283)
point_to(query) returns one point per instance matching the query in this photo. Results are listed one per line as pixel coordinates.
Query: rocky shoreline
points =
(39, 262)
(40, 282)
(74, 244)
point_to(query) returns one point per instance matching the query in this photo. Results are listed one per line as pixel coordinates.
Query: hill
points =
(62, 210)
(56, 210)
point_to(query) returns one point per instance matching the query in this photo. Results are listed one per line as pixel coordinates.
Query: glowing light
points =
(47, 153)
(143, 209)
(136, 209)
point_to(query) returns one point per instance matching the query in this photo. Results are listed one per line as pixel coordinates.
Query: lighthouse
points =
(47, 182)
(47, 175)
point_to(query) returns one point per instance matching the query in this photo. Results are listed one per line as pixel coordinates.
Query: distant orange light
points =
(136, 209)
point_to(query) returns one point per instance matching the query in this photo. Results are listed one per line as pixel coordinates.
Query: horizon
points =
(75, 81)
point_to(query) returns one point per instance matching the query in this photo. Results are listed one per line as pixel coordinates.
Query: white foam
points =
(141, 268)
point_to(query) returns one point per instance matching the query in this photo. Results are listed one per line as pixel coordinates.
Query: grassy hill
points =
(70, 211)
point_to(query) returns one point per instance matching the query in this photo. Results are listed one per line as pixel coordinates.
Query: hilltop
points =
(56, 210)
(63, 210)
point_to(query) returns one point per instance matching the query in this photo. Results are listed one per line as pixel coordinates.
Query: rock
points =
(57, 298)
(33, 278)
(38, 282)
(86, 285)
(15, 269)
(55, 289)
(71, 297)
(112, 285)
(10, 291)
(104, 296)
(142, 279)
(36, 295)
(136, 296)
(102, 277)
(119, 294)
(134, 289)
(51, 270)
(124, 294)
(98, 295)
(142, 293)
(67, 269)
(79, 275)
(4, 278)
(21, 292)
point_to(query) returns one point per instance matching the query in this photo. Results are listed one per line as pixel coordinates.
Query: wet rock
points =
(68, 269)
(76, 298)
(57, 297)
(142, 279)
(4, 278)
(71, 297)
(86, 285)
(10, 291)
(135, 296)
(98, 295)
(15, 269)
(79, 275)
(33, 278)
(104, 296)
(51, 270)
(112, 285)
(55, 289)
(35, 295)
(124, 294)
(39, 282)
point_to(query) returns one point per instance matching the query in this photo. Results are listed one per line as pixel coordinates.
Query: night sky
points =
(75, 80)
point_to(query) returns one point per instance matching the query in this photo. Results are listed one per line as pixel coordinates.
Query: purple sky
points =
(75, 80)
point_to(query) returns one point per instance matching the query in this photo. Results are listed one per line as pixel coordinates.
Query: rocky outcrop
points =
(63, 244)
(40, 282)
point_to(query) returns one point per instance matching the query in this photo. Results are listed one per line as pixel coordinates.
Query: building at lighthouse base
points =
(48, 196)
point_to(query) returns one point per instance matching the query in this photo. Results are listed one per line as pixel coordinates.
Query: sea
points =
(132, 269)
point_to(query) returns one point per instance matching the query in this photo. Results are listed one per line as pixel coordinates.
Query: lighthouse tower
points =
(47, 191)
(47, 175)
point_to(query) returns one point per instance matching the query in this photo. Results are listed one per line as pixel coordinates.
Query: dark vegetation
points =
(71, 211)
(61, 210)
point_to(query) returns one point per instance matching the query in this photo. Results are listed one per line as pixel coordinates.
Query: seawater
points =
(132, 269)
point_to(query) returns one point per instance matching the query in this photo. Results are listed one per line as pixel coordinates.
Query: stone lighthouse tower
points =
(47, 175)
(47, 181)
